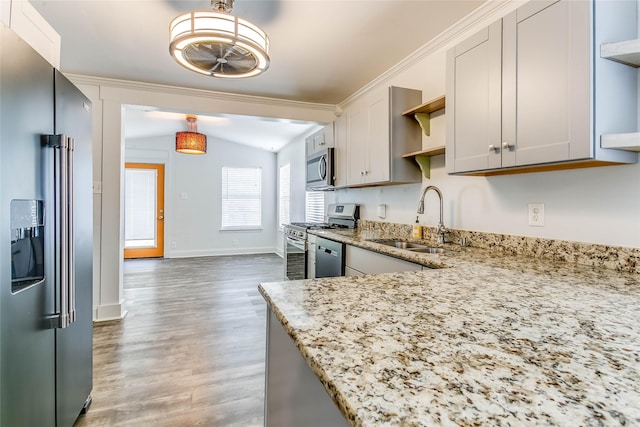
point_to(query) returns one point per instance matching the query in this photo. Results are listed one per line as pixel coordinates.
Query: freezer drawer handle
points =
(63, 222)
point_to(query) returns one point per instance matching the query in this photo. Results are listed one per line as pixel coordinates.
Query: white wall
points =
(596, 205)
(294, 154)
(192, 225)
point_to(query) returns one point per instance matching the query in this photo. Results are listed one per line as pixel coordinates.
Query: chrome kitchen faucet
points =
(441, 230)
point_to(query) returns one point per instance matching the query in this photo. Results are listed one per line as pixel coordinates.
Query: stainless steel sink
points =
(410, 246)
(428, 250)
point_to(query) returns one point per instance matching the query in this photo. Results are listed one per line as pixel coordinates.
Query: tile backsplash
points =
(604, 256)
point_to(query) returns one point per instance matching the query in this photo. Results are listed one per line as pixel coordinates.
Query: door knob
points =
(160, 217)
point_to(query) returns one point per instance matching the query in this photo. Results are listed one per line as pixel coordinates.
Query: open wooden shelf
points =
(423, 158)
(428, 107)
(422, 115)
(621, 141)
(428, 152)
(626, 52)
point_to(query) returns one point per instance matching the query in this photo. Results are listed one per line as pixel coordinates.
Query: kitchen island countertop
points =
(484, 339)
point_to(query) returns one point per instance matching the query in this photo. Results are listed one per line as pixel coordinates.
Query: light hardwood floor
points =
(190, 350)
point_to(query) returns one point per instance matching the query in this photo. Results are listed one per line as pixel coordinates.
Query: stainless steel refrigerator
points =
(45, 241)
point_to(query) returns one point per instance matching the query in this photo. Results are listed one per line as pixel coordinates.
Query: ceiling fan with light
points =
(219, 44)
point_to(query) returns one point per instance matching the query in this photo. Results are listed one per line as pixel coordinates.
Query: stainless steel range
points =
(344, 215)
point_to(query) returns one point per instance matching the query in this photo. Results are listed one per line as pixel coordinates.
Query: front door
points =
(144, 210)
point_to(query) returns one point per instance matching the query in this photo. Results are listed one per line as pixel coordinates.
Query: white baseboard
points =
(103, 313)
(218, 252)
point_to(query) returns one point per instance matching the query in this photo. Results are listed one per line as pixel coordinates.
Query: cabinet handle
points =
(506, 145)
(493, 148)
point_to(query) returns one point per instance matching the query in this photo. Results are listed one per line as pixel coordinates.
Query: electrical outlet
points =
(173, 245)
(536, 214)
(234, 242)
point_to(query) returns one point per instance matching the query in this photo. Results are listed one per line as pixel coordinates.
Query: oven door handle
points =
(300, 244)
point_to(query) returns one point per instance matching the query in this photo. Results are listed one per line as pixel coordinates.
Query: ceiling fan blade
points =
(220, 58)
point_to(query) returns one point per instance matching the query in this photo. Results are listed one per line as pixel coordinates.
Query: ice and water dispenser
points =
(27, 243)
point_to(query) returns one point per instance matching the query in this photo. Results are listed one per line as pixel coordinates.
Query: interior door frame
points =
(158, 251)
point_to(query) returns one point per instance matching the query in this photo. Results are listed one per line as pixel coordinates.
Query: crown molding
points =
(485, 14)
(200, 93)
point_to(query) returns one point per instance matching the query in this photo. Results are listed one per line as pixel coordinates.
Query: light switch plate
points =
(536, 214)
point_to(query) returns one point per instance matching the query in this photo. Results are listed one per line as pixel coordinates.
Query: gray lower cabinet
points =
(293, 394)
(362, 261)
(522, 92)
(350, 271)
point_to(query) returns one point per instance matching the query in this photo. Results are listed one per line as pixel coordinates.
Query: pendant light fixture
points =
(191, 142)
(219, 44)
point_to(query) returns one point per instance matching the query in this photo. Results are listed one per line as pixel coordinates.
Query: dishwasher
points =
(329, 258)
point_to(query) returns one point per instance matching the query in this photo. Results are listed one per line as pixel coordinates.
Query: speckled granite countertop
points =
(483, 340)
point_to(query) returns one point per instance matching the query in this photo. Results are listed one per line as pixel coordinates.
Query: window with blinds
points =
(314, 206)
(241, 198)
(140, 206)
(284, 195)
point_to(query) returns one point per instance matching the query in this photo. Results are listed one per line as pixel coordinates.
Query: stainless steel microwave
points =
(320, 171)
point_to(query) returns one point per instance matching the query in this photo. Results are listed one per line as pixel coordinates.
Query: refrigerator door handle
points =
(71, 277)
(63, 224)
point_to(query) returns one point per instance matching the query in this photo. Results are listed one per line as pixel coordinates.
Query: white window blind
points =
(284, 195)
(140, 207)
(241, 198)
(314, 206)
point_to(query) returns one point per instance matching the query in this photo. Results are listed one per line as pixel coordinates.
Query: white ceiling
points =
(264, 133)
(321, 51)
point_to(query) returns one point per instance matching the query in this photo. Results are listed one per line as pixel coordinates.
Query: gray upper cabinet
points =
(320, 140)
(357, 134)
(377, 135)
(474, 80)
(340, 151)
(545, 98)
(521, 92)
